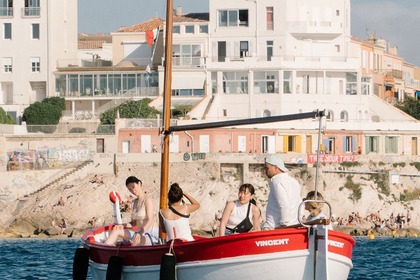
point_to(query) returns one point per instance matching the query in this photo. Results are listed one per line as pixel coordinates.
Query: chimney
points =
(178, 11)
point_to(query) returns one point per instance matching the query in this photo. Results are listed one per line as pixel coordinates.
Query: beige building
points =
(34, 35)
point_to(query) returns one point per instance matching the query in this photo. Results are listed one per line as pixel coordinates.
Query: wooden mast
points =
(164, 176)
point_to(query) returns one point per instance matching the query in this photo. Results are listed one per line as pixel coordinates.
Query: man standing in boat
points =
(284, 197)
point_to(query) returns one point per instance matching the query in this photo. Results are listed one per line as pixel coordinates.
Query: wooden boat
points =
(301, 252)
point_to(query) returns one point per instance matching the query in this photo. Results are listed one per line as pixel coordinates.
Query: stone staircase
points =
(75, 170)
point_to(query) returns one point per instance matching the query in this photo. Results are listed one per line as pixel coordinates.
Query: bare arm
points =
(194, 203)
(225, 217)
(255, 218)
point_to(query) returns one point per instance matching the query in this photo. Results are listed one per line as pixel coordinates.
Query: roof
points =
(94, 44)
(143, 26)
(158, 22)
(192, 17)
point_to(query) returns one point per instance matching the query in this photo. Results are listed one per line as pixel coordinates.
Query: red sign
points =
(330, 158)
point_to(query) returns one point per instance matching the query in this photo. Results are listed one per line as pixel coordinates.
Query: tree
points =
(56, 101)
(42, 113)
(139, 109)
(411, 106)
(6, 118)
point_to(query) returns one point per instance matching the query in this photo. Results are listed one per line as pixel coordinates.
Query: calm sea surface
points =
(381, 258)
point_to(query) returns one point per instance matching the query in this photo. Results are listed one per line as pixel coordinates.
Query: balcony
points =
(31, 12)
(315, 29)
(6, 12)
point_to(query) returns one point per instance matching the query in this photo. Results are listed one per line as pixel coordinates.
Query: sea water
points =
(380, 258)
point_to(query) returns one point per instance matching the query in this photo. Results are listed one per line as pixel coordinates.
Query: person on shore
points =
(63, 226)
(408, 217)
(175, 218)
(238, 214)
(284, 197)
(142, 216)
(314, 207)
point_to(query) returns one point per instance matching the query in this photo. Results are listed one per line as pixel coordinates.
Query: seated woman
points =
(236, 212)
(142, 216)
(315, 208)
(175, 218)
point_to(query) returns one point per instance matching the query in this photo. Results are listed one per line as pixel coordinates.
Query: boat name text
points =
(336, 244)
(273, 242)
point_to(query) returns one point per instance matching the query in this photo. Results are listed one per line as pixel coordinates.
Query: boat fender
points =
(167, 267)
(80, 264)
(114, 269)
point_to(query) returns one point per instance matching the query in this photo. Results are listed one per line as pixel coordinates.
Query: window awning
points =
(188, 82)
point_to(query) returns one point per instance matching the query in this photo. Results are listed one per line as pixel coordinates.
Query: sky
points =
(396, 21)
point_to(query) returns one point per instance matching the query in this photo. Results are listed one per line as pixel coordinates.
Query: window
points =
(204, 29)
(176, 30)
(344, 116)
(243, 49)
(7, 64)
(186, 55)
(349, 144)
(229, 18)
(351, 84)
(6, 8)
(270, 18)
(287, 82)
(32, 8)
(291, 143)
(266, 82)
(7, 30)
(35, 30)
(269, 50)
(366, 86)
(35, 64)
(337, 48)
(391, 144)
(329, 116)
(188, 92)
(235, 82)
(372, 144)
(189, 29)
(306, 79)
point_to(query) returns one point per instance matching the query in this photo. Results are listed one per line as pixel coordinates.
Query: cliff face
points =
(347, 189)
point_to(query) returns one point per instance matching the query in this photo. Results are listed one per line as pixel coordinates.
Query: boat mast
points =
(164, 176)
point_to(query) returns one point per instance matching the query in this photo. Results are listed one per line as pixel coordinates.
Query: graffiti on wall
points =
(46, 158)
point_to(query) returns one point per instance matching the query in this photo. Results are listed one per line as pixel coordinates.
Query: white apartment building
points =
(34, 34)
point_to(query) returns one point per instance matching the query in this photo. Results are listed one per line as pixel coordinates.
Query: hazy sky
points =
(396, 21)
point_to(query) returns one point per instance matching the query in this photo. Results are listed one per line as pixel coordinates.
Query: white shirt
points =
(283, 202)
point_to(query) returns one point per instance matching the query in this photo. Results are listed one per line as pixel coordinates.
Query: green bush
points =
(355, 188)
(130, 110)
(41, 113)
(5, 118)
(56, 101)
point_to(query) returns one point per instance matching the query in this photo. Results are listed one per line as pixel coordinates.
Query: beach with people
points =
(213, 186)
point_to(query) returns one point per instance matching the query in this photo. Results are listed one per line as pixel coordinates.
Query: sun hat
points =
(277, 161)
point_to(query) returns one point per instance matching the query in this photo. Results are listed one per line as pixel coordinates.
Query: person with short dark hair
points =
(236, 212)
(175, 217)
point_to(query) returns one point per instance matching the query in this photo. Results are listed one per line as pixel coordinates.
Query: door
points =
(242, 144)
(268, 144)
(204, 143)
(100, 145)
(146, 144)
(126, 147)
